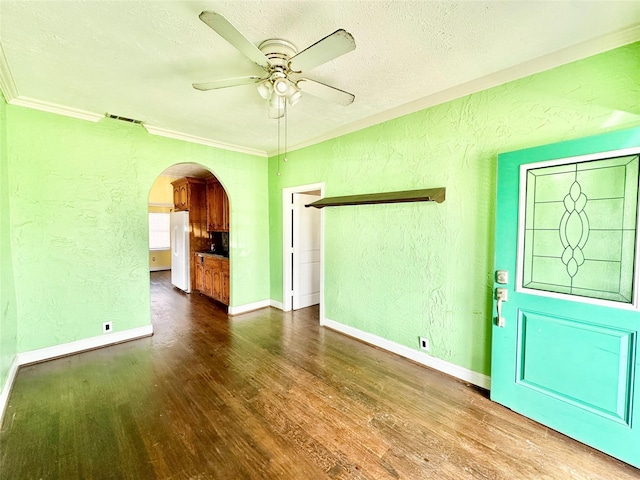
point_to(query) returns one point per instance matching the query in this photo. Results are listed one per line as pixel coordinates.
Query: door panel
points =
(585, 365)
(566, 223)
(306, 251)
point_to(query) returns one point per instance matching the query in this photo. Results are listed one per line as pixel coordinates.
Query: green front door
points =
(564, 352)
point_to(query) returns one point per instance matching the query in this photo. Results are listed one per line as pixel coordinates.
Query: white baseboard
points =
(8, 385)
(64, 349)
(249, 307)
(159, 269)
(56, 351)
(457, 371)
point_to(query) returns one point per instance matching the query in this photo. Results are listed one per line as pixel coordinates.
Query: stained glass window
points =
(580, 228)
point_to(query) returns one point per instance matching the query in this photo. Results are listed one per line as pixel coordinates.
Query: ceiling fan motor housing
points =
(278, 52)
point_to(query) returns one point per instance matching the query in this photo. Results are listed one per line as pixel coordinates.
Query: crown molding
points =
(55, 108)
(162, 132)
(567, 55)
(537, 65)
(10, 92)
(7, 84)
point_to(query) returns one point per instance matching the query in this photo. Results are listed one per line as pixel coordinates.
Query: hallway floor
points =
(267, 395)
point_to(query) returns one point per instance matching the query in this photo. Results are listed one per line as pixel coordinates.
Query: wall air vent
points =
(123, 119)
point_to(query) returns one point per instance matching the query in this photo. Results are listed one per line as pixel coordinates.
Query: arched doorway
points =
(189, 232)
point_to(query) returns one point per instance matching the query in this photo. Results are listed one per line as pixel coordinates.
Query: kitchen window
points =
(159, 231)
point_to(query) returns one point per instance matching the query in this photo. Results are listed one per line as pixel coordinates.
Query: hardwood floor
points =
(267, 395)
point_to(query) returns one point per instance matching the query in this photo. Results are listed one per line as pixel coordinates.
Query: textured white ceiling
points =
(180, 170)
(138, 59)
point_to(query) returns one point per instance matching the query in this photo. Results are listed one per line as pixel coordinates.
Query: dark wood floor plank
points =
(267, 395)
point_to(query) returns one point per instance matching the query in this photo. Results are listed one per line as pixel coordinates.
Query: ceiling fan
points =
(283, 81)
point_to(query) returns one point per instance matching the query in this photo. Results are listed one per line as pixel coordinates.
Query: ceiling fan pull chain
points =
(285, 131)
(278, 156)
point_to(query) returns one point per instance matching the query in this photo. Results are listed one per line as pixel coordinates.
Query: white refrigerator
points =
(180, 265)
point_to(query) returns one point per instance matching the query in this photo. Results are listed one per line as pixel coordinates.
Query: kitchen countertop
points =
(213, 254)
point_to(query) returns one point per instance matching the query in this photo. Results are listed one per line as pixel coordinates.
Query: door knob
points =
(501, 296)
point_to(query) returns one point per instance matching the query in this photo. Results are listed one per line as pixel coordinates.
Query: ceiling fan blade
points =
(227, 82)
(326, 92)
(231, 34)
(330, 47)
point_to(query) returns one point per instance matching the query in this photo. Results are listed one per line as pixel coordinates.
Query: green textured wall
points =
(79, 193)
(400, 271)
(8, 317)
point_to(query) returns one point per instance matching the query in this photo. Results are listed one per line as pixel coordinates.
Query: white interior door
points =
(306, 251)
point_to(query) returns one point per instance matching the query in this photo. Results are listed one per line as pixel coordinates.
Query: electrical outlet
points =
(424, 343)
(107, 327)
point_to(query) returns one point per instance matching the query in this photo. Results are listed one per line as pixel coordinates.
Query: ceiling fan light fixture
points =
(281, 87)
(276, 102)
(294, 95)
(265, 89)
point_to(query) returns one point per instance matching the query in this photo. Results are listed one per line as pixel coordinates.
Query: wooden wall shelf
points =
(425, 195)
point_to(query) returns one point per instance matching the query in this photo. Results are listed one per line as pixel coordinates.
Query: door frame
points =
(287, 232)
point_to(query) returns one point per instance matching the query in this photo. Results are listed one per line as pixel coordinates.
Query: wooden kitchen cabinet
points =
(225, 282)
(217, 207)
(225, 210)
(199, 273)
(215, 277)
(208, 277)
(217, 283)
(180, 194)
(188, 193)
